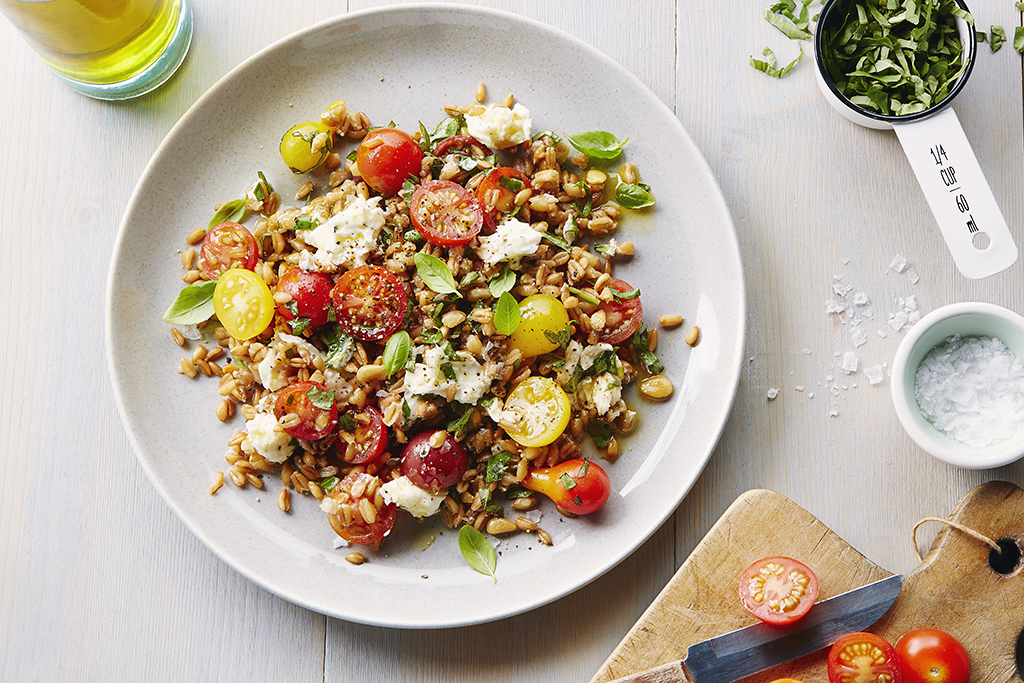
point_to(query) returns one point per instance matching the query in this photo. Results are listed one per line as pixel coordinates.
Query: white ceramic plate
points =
(403, 64)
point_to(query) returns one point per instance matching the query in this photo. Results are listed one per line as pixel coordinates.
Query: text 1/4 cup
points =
(106, 49)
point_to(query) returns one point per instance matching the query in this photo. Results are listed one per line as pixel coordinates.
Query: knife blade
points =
(747, 651)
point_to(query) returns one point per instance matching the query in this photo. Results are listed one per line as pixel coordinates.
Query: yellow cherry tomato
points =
(536, 412)
(243, 303)
(306, 146)
(539, 314)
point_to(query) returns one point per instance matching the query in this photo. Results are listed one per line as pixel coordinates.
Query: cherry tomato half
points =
(536, 411)
(369, 302)
(579, 486)
(863, 658)
(539, 314)
(310, 293)
(457, 150)
(386, 157)
(354, 524)
(433, 460)
(243, 303)
(228, 245)
(301, 398)
(778, 590)
(445, 213)
(622, 316)
(497, 193)
(368, 439)
(930, 656)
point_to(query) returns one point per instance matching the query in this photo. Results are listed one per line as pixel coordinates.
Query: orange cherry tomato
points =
(778, 590)
(579, 486)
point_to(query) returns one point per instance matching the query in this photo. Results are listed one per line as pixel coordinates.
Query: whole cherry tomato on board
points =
(863, 658)
(386, 157)
(778, 590)
(579, 486)
(928, 655)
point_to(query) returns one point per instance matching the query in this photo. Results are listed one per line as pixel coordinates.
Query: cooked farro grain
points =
(218, 481)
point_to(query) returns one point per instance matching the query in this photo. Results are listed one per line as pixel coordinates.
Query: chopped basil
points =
(584, 210)
(496, 466)
(506, 314)
(547, 133)
(353, 155)
(435, 274)
(644, 354)
(347, 422)
(432, 337)
(518, 493)
(459, 425)
(998, 38)
(555, 240)
(511, 184)
(768, 64)
(625, 296)
(449, 350)
(293, 308)
(606, 361)
(340, 346)
(299, 325)
(634, 196)
(781, 16)
(584, 296)
(406, 411)
(425, 143)
(598, 144)
(233, 211)
(408, 187)
(495, 509)
(449, 372)
(193, 305)
(502, 282)
(570, 229)
(396, 351)
(266, 184)
(600, 432)
(329, 483)
(562, 337)
(413, 236)
(305, 222)
(567, 481)
(478, 551)
(324, 400)
(447, 128)
(468, 278)
(607, 248)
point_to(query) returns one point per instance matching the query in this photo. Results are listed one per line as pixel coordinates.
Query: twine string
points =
(959, 527)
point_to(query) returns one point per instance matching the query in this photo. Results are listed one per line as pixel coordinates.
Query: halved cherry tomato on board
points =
(863, 658)
(369, 438)
(434, 467)
(301, 399)
(579, 486)
(359, 523)
(369, 302)
(622, 316)
(536, 411)
(497, 193)
(445, 213)
(386, 157)
(928, 655)
(311, 296)
(243, 302)
(228, 245)
(778, 590)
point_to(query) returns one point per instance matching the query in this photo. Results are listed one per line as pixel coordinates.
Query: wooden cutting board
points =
(953, 589)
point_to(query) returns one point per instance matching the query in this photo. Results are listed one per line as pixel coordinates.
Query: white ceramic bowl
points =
(968, 320)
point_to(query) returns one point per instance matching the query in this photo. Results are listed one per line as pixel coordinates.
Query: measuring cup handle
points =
(958, 194)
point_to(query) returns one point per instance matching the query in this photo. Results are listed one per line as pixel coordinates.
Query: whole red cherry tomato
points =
(310, 293)
(928, 655)
(386, 157)
(778, 590)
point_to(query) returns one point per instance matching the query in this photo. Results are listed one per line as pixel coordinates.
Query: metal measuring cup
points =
(941, 157)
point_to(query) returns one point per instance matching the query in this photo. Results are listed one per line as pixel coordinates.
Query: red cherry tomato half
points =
(445, 213)
(622, 316)
(369, 438)
(301, 398)
(434, 467)
(578, 485)
(863, 658)
(354, 526)
(386, 157)
(778, 590)
(310, 293)
(930, 656)
(228, 245)
(462, 145)
(497, 193)
(369, 302)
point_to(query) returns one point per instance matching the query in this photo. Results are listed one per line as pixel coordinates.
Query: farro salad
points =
(433, 327)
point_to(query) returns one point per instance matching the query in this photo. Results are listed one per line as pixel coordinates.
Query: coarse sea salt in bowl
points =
(968, 320)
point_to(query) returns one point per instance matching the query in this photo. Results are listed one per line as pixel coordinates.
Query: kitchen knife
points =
(732, 656)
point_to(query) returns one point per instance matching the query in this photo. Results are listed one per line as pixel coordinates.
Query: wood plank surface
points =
(100, 581)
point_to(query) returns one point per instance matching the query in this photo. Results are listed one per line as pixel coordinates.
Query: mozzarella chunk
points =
(513, 240)
(346, 238)
(267, 437)
(499, 127)
(428, 378)
(600, 392)
(411, 498)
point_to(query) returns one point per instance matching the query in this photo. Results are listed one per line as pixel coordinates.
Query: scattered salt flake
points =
(868, 313)
(874, 374)
(810, 395)
(849, 362)
(899, 263)
(910, 303)
(772, 393)
(860, 299)
(897, 320)
(808, 352)
(858, 337)
(842, 290)
(912, 274)
(828, 378)
(833, 306)
(833, 413)
(913, 318)
(798, 388)
(190, 332)
(340, 543)
(881, 333)
(837, 278)
(845, 261)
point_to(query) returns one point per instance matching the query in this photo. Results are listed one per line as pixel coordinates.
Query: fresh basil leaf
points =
(324, 400)
(634, 196)
(193, 305)
(644, 354)
(340, 346)
(1018, 39)
(435, 274)
(502, 282)
(506, 314)
(598, 144)
(768, 65)
(396, 352)
(233, 211)
(600, 432)
(496, 466)
(478, 551)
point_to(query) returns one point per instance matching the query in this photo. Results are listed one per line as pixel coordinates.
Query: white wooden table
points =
(100, 581)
